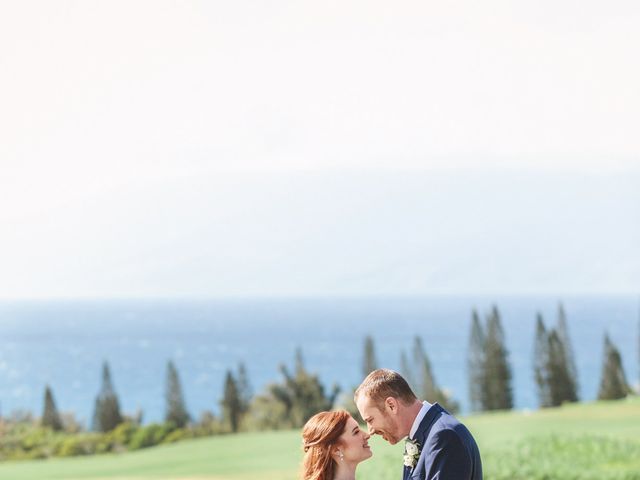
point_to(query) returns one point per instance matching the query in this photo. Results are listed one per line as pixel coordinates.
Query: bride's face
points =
(354, 443)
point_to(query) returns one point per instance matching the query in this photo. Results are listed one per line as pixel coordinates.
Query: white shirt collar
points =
(416, 423)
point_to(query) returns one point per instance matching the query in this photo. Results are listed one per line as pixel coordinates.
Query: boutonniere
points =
(411, 453)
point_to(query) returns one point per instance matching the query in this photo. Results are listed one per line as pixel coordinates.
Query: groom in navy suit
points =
(438, 447)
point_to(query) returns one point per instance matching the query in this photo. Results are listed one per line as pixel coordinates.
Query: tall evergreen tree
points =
(498, 390)
(405, 369)
(299, 362)
(613, 383)
(560, 384)
(244, 388)
(475, 363)
(231, 402)
(425, 382)
(541, 359)
(570, 389)
(176, 411)
(425, 386)
(554, 365)
(369, 363)
(50, 416)
(107, 408)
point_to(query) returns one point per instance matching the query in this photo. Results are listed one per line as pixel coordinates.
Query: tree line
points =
(107, 414)
(299, 394)
(490, 374)
(288, 403)
(554, 366)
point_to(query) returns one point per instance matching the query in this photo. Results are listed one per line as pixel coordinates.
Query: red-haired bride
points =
(334, 445)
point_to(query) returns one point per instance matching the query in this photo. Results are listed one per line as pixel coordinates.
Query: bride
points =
(334, 445)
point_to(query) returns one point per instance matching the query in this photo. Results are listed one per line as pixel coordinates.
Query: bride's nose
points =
(367, 436)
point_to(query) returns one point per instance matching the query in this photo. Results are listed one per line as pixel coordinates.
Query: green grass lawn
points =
(588, 441)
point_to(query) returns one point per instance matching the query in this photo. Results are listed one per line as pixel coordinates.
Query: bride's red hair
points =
(319, 434)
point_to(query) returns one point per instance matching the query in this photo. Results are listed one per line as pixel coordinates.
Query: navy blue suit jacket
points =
(448, 451)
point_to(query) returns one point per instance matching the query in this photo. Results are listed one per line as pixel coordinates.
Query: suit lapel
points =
(423, 432)
(427, 422)
(425, 428)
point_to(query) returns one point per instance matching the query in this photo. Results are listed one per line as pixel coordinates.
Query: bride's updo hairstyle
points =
(319, 434)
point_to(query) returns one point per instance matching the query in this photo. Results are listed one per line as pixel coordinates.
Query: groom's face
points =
(381, 420)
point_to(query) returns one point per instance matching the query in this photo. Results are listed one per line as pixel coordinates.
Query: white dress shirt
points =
(416, 423)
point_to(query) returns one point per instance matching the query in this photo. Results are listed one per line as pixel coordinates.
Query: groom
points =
(438, 446)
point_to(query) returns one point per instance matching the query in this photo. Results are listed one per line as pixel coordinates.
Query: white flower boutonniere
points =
(411, 453)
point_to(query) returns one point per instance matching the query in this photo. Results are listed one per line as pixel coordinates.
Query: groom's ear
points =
(391, 405)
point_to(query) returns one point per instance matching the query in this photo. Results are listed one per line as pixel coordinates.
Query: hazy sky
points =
(153, 148)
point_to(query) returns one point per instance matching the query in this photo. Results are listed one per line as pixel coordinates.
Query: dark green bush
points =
(150, 435)
(28, 440)
(177, 435)
(82, 444)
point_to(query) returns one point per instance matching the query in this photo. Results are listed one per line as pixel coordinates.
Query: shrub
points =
(150, 435)
(177, 435)
(77, 445)
(122, 434)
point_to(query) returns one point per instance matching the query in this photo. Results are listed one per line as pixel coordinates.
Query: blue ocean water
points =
(64, 343)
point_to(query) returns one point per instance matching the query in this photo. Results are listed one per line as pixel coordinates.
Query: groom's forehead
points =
(368, 405)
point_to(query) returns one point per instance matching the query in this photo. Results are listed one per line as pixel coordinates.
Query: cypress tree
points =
(299, 362)
(405, 370)
(425, 380)
(554, 365)
(107, 408)
(50, 416)
(613, 383)
(541, 363)
(176, 411)
(369, 363)
(558, 376)
(475, 363)
(570, 388)
(231, 403)
(498, 391)
(244, 388)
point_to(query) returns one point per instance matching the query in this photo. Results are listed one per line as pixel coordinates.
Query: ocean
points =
(64, 343)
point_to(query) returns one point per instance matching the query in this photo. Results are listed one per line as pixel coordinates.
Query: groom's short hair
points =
(384, 383)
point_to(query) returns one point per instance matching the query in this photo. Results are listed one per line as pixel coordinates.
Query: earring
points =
(341, 455)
